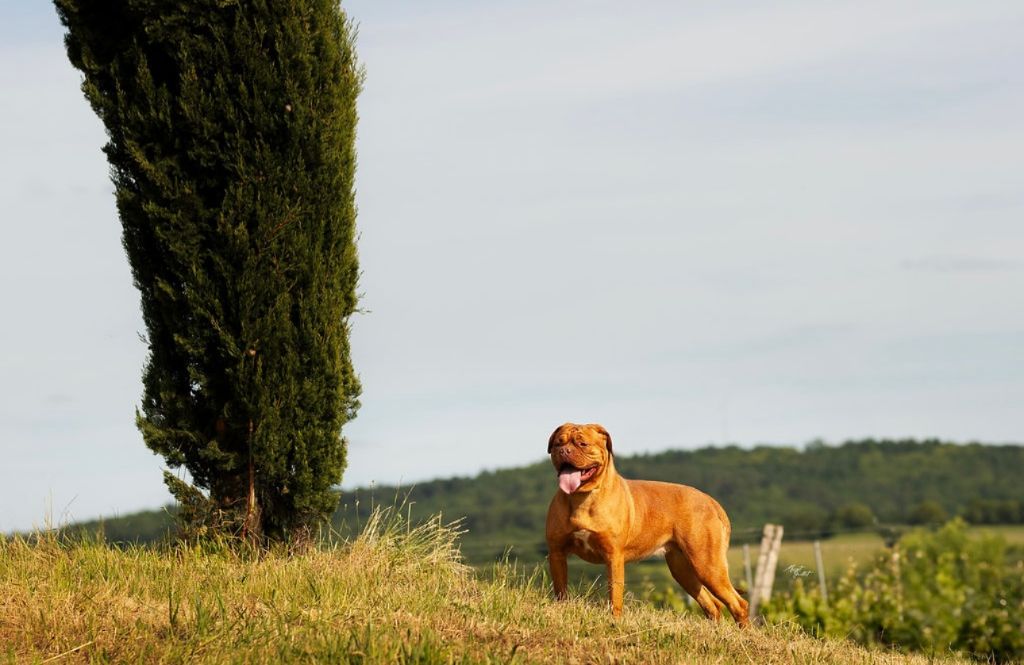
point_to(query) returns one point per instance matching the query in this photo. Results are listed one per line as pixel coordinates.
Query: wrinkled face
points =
(579, 454)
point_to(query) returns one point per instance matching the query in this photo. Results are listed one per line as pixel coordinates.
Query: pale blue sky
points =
(692, 222)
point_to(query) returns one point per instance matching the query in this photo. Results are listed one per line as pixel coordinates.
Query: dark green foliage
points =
(994, 511)
(935, 592)
(148, 526)
(928, 512)
(231, 129)
(853, 515)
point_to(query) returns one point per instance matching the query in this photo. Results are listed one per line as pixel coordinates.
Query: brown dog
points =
(603, 518)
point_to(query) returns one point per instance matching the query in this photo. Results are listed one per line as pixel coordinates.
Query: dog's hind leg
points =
(683, 573)
(714, 575)
(720, 585)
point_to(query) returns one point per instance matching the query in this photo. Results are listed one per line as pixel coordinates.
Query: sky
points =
(696, 223)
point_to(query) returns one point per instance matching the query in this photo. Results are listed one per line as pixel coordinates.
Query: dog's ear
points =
(607, 437)
(554, 435)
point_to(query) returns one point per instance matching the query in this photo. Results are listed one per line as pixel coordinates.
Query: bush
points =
(853, 516)
(928, 512)
(994, 511)
(933, 592)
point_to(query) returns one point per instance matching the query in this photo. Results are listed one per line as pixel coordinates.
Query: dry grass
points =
(394, 594)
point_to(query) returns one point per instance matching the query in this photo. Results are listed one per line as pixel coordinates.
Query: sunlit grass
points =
(395, 593)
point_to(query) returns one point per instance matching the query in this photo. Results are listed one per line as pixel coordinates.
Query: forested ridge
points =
(814, 490)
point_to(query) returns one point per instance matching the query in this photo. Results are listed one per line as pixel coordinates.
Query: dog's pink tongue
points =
(569, 481)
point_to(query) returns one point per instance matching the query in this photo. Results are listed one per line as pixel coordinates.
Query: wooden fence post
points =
(767, 560)
(762, 560)
(821, 572)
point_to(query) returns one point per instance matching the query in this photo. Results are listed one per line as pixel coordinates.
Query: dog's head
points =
(580, 455)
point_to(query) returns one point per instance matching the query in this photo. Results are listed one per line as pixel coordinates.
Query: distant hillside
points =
(813, 491)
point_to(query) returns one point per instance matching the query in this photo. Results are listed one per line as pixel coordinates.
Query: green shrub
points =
(928, 513)
(933, 592)
(853, 515)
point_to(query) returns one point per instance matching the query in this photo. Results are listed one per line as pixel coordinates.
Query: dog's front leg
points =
(559, 572)
(616, 580)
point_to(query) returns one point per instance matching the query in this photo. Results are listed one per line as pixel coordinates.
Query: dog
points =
(602, 517)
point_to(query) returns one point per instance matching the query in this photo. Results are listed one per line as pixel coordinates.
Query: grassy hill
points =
(393, 594)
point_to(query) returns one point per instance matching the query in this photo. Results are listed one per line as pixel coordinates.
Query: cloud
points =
(962, 264)
(604, 53)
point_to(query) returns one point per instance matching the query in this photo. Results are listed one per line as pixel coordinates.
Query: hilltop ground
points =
(394, 594)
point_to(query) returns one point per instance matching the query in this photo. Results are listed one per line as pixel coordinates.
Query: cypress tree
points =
(231, 127)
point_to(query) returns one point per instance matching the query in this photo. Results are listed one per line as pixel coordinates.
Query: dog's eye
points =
(583, 444)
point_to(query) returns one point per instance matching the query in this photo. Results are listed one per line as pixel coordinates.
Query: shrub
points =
(853, 515)
(933, 592)
(928, 512)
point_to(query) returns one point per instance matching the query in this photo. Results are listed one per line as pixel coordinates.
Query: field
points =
(393, 594)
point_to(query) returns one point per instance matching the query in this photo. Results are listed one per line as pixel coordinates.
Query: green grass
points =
(393, 594)
(1012, 533)
(837, 553)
